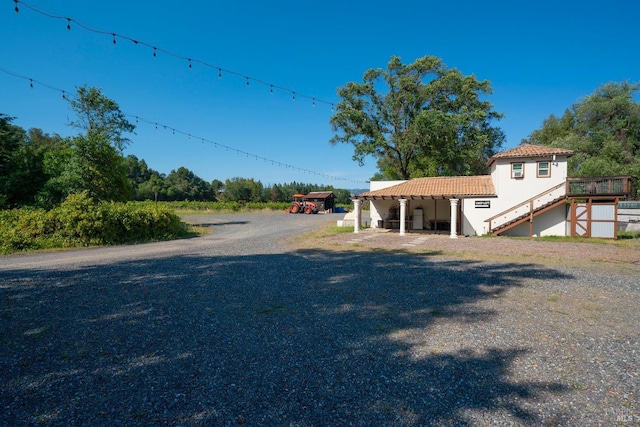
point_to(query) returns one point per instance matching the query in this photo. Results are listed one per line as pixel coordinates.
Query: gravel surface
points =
(258, 325)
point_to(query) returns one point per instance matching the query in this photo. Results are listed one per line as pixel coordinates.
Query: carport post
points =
(454, 219)
(403, 215)
(356, 215)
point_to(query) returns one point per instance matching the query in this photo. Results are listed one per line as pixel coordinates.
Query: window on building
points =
(517, 170)
(544, 169)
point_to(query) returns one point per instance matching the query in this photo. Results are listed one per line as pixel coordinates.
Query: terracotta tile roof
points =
(528, 150)
(442, 187)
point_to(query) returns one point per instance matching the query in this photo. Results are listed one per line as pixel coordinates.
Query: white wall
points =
(550, 223)
(512, 191)
(473, 218)
(379, 209)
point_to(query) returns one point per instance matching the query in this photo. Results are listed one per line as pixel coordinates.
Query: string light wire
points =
(191, 61)
(67, 96)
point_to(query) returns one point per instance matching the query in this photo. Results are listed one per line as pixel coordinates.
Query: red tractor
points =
(300, 205)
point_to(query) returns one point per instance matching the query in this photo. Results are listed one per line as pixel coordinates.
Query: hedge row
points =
(221, 206)
(80, 221)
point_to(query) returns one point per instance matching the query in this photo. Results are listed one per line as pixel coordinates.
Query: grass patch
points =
(197, 231)
(628, 235)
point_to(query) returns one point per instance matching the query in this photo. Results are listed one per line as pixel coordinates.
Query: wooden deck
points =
(600, 186)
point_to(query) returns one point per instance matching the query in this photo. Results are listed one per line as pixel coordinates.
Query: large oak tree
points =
(419, 119)
(603, 129)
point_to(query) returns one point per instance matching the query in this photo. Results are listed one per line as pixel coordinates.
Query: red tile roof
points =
(528, 150)
(442, 187)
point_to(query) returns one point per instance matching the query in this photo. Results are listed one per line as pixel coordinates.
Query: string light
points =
(167, 52)
(16, 9)
(216, 144)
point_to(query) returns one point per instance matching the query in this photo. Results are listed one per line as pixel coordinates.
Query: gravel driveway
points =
(246, 327)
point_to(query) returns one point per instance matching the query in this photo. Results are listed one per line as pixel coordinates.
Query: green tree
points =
(93, 161)
(420, 119)
(11, 140)
(183, 184)
(242, 190)
(342, 196)
(553, 128)
(603, 129)
(155, 188)
(97, 114)
(217, 186)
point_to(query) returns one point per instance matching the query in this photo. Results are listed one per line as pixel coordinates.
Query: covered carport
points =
(423, 203)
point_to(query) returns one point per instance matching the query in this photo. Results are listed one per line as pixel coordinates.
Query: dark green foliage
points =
(603, 130)
(81, 221)
(419, 119)
(98, 115)
(186, 205)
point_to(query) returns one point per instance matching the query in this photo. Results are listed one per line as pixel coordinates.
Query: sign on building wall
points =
(483, 204)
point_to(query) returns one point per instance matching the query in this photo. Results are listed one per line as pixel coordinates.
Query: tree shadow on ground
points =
(305, 338)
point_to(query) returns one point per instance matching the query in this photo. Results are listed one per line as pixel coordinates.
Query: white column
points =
(356, 215)
(454, 218)
(403, 215)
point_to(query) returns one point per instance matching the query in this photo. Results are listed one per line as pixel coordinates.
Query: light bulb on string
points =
(16, 8)
(219, 73)
(247, 81)
(293, 96)
(31, 83)
(271, 91)
(114, 38)
(68, 24)
(154, 52)
(190, 66)
(314, 102)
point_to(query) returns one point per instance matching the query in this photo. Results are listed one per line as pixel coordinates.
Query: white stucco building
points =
(527, 193)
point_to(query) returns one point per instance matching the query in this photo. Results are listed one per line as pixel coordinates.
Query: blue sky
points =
(540, 57)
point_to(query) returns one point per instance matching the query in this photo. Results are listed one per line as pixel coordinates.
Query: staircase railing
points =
(526, 207)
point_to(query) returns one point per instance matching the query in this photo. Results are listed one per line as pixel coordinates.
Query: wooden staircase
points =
(527, 210)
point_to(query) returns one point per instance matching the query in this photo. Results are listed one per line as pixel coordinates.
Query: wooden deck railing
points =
(599, 186)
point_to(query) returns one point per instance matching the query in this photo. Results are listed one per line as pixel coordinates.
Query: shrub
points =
(80, 221)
